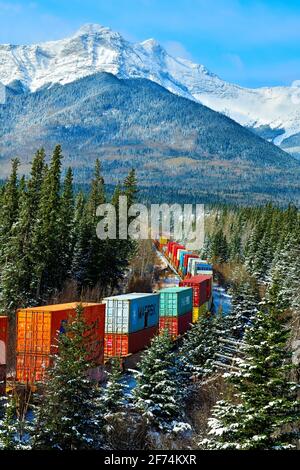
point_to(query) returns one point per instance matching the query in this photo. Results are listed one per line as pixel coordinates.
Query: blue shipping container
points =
(182, 255)
(130, 313)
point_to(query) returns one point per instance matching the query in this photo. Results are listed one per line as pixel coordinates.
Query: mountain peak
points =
(91, 28)
(153, 45)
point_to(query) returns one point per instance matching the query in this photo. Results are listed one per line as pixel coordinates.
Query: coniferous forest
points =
(231, 383)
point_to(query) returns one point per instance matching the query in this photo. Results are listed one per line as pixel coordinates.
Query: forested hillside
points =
(137, 123)
(48, 240)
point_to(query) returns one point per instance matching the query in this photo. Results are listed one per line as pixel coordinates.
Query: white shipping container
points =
(129, 313)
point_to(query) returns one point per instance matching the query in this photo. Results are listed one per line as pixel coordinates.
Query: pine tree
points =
(67, 220)
(130, 187)
(264, 413)
(114, 393)
(69, 416)
(199, 347)
(47, 247)
(157, 394)
(12, 429)
(244, 305)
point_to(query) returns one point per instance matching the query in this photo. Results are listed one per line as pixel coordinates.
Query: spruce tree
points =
(47, 242)
(157, 393)
(199, 346)
(264, 413)
(114, 392)
(12, 428)
(69, 416)
(67, 220)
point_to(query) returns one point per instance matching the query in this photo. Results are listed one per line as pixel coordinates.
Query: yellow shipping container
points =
(163, 240)
(198, 311)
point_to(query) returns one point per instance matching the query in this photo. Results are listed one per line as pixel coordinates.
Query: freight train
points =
(123, 324)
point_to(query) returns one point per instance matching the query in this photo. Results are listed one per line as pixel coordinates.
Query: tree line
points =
(48, 234)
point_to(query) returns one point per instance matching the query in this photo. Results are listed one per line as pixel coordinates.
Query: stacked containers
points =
(175, 310)
(198, 267)
(3, 347)
(182, 254)
(37, 332)
(169, 249)
(202, 292)
(175, 249)
(177, 259)
(131, 322)
(187, 257)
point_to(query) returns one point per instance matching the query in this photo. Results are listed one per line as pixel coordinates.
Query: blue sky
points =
(253, 43)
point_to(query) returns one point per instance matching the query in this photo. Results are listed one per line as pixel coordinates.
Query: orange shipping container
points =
(37, 332)
(121, 345)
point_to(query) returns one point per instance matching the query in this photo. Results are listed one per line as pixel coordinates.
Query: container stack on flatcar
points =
(175, 310)
(131, 321)
(37, 332)
(194, 272)
(202, 293)
(3, 349)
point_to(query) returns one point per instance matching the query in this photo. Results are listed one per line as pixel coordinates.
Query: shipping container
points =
(176, 326)
(37, 332)
(187, 257)
(198, 267)
(180, 256)
(175, 301)
(199, 311)
(175, 251)
(163, 240)
(121, 345)
(129, 313)
(202, 289)
(192, 261)
(169, 248)
(3, 338)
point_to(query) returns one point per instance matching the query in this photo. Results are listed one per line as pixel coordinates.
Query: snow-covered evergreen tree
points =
(264, 412)
(70, 415)
(244, 305)
(157, 394)
(200, 344)
(114, 393)
(12, 428)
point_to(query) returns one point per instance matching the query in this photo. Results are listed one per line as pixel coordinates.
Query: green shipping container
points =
(175, 301)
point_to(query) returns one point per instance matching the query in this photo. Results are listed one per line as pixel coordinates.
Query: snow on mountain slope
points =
(94, 48)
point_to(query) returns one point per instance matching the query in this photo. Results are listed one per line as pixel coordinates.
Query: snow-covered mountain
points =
(274, 112)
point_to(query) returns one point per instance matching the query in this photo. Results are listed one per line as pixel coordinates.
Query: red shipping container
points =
(169, 247)
(176, 326)
(3, 338)
(175, 250)
(37, 332)
(187, 257)
(121, 345)
(202, 288)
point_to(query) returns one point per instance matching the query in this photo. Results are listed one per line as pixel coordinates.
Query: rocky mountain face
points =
(274, 113)
(181, 149)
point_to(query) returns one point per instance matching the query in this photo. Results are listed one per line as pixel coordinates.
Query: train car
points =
(198, 267)
(175, 310)
(202, 292)
(38, 329)
(132, 320)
